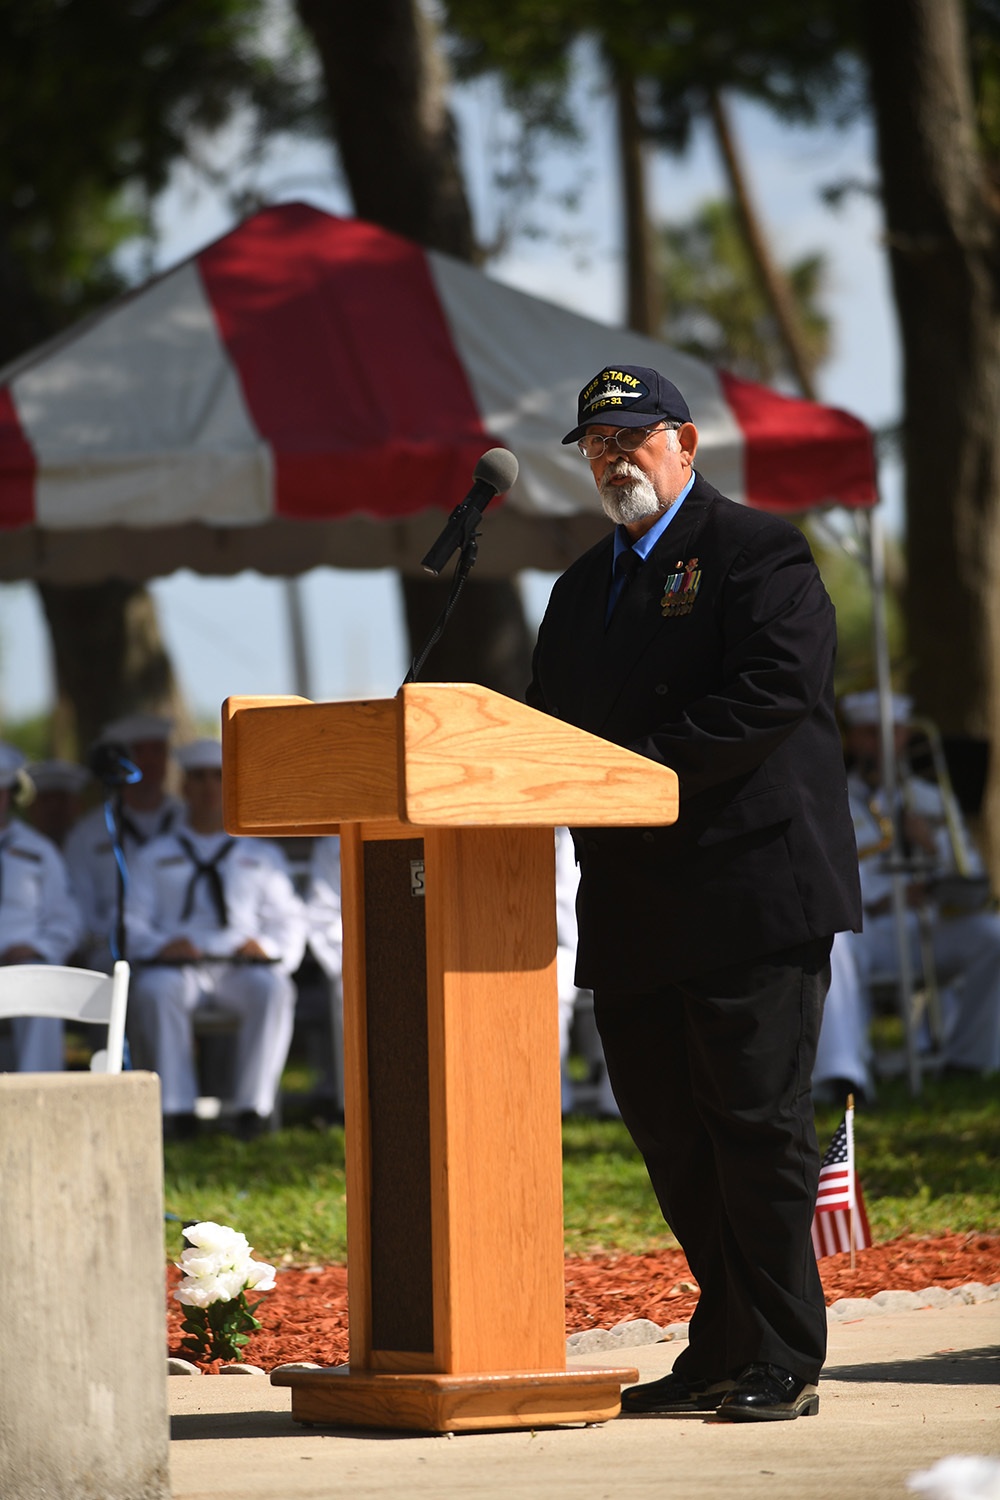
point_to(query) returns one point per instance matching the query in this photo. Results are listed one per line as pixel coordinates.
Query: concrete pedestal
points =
(83, 1410)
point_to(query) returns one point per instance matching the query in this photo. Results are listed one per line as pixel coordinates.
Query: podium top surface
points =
(437, 755)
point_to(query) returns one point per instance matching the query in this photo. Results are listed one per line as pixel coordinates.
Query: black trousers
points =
(713, 1079)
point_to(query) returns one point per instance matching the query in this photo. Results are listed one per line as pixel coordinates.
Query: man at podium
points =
(699, 634)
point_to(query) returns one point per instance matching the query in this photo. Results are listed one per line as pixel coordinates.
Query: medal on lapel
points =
(681, 589)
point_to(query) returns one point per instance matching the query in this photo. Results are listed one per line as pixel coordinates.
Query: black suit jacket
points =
(737, 697)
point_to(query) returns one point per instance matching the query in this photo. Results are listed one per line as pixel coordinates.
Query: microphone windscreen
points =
(498, 469)
(110, 763)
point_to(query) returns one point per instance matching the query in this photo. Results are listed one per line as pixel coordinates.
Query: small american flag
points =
(839, 1194)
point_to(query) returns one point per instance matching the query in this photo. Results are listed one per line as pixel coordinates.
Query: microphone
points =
(110, 763)
(494, 474)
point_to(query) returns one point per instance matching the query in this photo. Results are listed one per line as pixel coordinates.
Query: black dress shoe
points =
(767, 1393)
(250, 1126)
(180, 1127)
(674, 1393)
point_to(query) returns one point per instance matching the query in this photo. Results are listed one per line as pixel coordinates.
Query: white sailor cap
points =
(11, 764)
(133, 729)
(58, 775)
(859, 709)
(200, 755)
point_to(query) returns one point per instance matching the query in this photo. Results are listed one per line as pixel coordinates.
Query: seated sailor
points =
(212, 918)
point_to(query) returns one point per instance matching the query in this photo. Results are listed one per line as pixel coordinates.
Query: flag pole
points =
(850, 1141)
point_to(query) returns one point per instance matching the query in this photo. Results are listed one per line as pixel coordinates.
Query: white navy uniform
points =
(93, 872)
(326, 939)
(965, 945)
(844, 1052)
(168, 898)
(326, 930)
(570, 996)
(36, 909)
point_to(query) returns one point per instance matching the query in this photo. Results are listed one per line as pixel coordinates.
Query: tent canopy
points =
(311, 389)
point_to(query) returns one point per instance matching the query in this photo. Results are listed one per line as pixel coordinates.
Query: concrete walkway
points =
(899, 1392)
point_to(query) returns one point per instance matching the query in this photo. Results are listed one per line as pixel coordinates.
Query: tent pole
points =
(876, 561)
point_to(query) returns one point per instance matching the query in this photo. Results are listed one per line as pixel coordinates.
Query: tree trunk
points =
(943, 233)
(773, 282)
(109, 660)
(385, 88)
(644, 311)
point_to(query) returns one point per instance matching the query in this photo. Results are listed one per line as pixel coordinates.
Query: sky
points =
(232, 636)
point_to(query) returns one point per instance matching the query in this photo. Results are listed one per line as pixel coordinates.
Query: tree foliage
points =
(716, 309)
(791, 55)
(983, 18)
(99, 100)
(669, 67)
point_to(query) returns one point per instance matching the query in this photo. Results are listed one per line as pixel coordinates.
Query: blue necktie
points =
(627, 565)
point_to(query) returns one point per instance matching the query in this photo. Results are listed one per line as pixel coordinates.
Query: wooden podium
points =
(445, 798)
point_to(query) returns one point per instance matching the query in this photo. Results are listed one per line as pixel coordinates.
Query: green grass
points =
(927, 1166)
(930, 1166)
(608, 1203)
(285, 1192)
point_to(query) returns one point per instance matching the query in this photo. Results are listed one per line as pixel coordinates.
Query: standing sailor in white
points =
(196, 896)
(326, 939)
(570, 997)
(326, 927)
(844, 1056)
(147, 811)
(39, 920)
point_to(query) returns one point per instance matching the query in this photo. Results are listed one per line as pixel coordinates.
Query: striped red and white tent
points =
(311, 389)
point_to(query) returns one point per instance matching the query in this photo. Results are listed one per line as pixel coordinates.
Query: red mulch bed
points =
(305, 1316)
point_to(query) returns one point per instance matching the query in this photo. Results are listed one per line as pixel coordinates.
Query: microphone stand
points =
(116, 938)
(466, 562)
(113, 820)
(110, 763)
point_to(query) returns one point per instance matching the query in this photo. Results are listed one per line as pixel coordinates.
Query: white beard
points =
(630, 502)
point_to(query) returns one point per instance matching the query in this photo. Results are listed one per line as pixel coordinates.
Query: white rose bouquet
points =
(218, 1272)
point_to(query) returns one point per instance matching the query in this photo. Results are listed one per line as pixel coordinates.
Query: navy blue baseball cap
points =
(628, 396)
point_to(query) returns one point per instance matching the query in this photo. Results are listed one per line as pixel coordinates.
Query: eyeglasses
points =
(626, 440)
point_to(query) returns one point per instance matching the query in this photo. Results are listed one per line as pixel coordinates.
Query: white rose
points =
(196, 1265)
(217, 1239)
(201, 1293)
(260, 1276)
(232, 1282)
(218, 1266)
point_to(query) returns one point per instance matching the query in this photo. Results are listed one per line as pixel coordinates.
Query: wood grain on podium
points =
(495, 1107)
(281, 761)
(482, 758)
(453, 1403)
(436, 755)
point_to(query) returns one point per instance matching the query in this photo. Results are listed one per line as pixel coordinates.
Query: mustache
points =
(621, 468)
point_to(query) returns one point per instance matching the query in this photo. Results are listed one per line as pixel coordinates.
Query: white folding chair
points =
(68, 994)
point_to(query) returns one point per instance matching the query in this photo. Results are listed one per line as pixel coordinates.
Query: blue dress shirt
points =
(643, 547)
